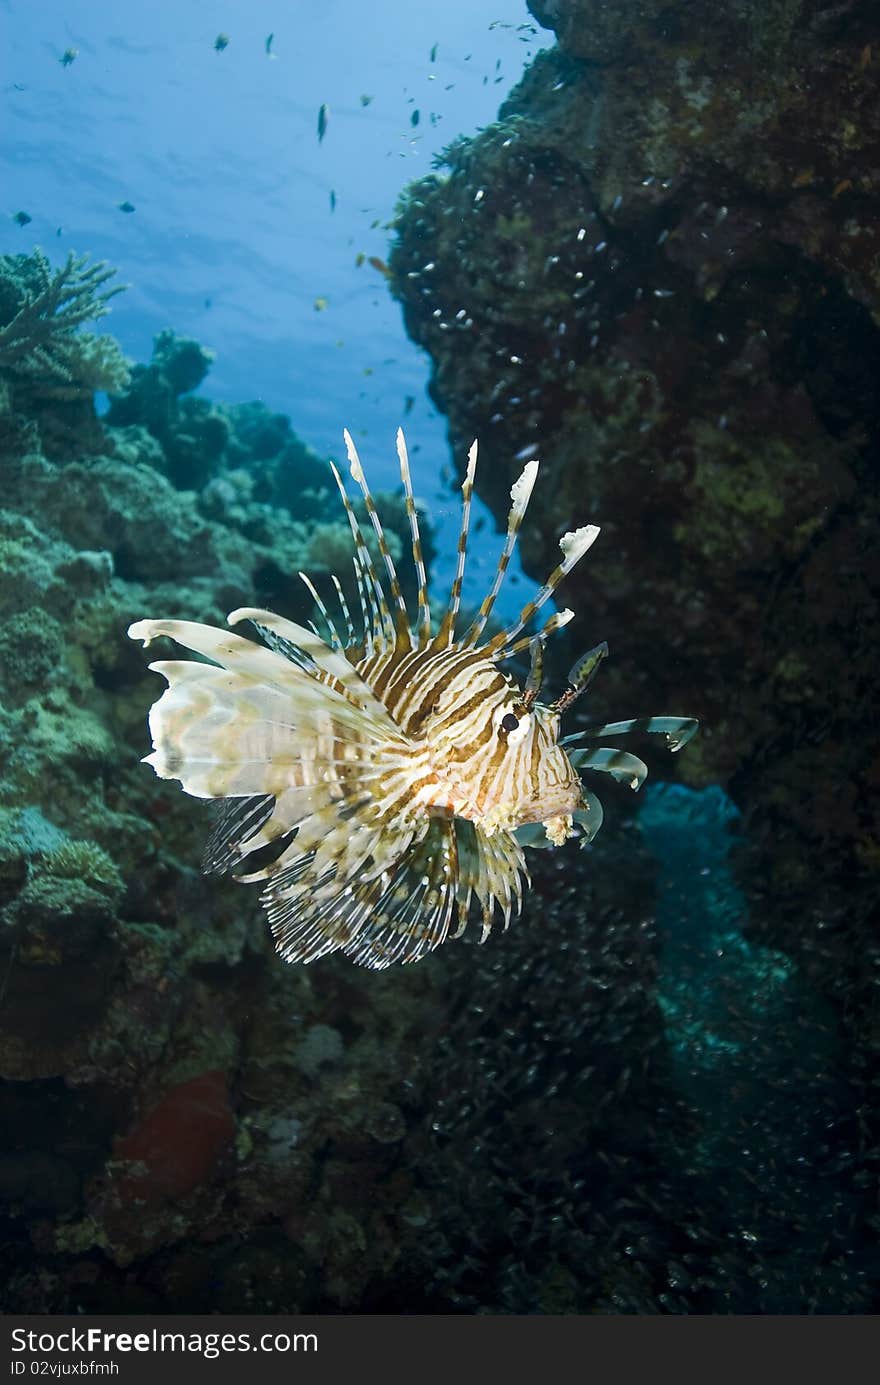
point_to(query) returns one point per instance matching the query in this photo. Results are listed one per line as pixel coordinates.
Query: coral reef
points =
(166, 1085)
(250, 476)
(657, 1092)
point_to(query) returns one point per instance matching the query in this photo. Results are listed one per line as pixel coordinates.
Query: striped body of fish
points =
(379, 782)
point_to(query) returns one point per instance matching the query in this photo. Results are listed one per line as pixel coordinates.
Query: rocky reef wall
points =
(659, 271)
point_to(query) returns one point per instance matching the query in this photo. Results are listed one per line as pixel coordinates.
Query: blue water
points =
(233, 239)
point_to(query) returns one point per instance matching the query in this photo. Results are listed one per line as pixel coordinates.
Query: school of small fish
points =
(382, 780)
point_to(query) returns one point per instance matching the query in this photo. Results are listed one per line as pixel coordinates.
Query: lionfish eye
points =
(509, 722)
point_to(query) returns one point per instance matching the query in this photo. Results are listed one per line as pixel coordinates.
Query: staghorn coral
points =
(40, 312)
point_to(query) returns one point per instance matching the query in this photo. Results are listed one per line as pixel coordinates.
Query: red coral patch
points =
(179, 1144)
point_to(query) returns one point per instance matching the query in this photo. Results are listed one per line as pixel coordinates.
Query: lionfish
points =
(379, 781)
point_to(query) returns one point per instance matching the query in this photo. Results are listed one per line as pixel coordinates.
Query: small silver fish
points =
(323, 120)
(379, 781)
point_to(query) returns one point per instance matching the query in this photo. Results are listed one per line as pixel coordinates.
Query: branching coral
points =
(42, 311)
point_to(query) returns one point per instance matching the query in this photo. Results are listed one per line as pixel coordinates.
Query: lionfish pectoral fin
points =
(678, 731)
(304, 648)
(377, 919)
(236, 820)
(464, 904)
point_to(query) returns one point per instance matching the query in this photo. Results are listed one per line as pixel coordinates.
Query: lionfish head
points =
(542, 782)
(497, 752)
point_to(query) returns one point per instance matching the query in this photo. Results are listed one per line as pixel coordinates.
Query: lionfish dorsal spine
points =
(401, 619)
(377, 617)
(573, 545)
(532, 688)
(369, 615)
(424, 614)
(350, 637)
(554, 622)
(520, 494)
(446, 633)
(335, 639)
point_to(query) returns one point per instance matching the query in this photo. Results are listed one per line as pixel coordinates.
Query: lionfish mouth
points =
(323, 754)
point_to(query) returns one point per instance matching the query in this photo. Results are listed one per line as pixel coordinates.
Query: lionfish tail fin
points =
(241, 725)
(308, 651)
